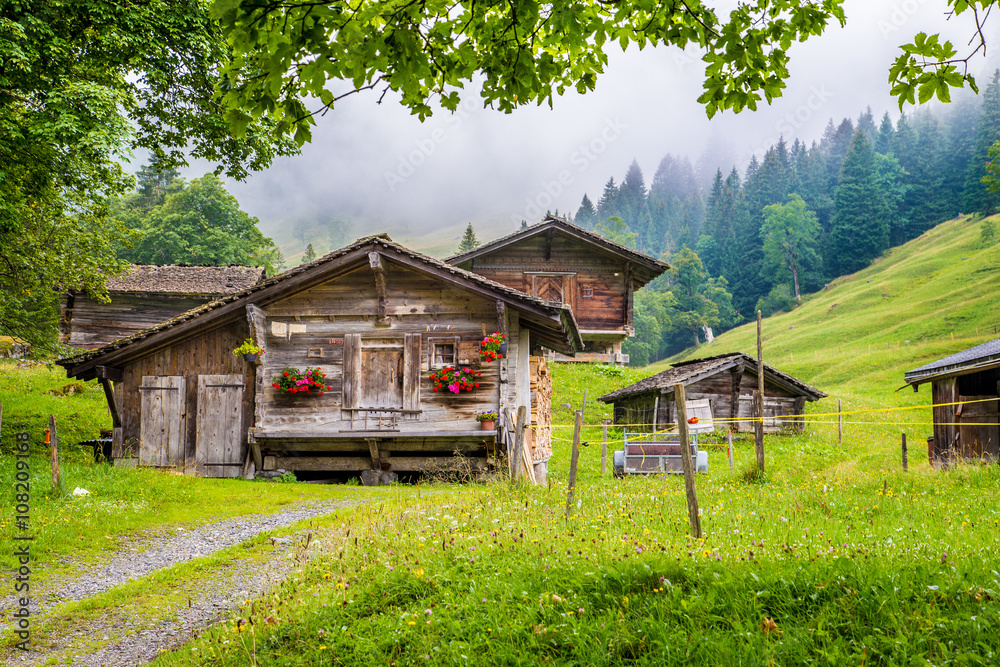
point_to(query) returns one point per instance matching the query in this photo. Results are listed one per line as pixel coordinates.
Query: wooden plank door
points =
(162, 420)
(382, 370)
(979, 430)
(218, 450)
(549, 288)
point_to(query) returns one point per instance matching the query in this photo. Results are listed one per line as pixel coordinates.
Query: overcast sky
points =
(384, 169)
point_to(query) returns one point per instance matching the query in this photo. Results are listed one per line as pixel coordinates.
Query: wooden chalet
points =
(375, 318)
(558, 261)
(145, 296)
(728, 383)
(965, 392)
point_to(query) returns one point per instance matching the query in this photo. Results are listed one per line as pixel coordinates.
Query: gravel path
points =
(155, 553)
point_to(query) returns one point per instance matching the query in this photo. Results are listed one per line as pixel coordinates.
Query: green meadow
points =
(836, 556)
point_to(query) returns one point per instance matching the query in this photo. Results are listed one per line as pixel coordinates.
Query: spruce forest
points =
(799, 216)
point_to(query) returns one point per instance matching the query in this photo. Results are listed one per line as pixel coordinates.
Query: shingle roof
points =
(655, 266)
(186, 279)
(687, 371)
(564, 312)
(987, 354)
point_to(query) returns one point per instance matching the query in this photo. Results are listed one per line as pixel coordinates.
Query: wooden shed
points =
(145, 296)
(965, 391)
(558, 261)
(728, 382)
(376, 319)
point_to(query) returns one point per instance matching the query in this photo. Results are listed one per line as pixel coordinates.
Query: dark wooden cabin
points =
(145, 296)
(375, 317)
(965, 392)
(728, 382)
(559, 261)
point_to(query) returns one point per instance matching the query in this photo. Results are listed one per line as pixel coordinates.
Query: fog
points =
(382, 169)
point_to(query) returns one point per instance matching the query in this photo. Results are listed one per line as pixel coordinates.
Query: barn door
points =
(382, 370)
(978, 432)
(549, 288)
(161, 423)
(218, 450)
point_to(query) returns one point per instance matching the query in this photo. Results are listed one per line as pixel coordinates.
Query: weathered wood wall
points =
(89, 324)
(314, 327)
(591, 282)
(209, 353)
(724, 390)
(970, 429)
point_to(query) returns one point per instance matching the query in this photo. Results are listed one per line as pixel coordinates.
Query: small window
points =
(443, 354)
(587, 292)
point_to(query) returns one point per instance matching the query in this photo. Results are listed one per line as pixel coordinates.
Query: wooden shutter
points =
(162, 421)
(411, 371)
(219, 427)
(352, 370)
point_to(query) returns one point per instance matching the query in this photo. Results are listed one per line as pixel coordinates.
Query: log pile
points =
(541, 408)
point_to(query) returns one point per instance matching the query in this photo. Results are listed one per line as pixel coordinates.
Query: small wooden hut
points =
(965, 392)
(558, 261)
(728, 383)
(145, 296)
(376, 319)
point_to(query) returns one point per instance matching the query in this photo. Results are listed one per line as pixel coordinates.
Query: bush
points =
(778, 300)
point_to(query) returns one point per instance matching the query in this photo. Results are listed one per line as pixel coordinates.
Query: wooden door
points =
(978, 431)
(549, 288)
(219, 434)
(162, 420)
(382, 370)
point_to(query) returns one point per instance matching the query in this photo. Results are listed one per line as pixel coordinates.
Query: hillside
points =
(935, 295)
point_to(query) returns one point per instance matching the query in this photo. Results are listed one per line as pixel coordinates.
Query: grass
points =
(836, 557)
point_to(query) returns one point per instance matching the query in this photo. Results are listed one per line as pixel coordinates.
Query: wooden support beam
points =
(360, 463)
(629, 289)
(110, 373)
(373, 450)
(375, 262)
(501, 317)
(109, 394)
(519, 429)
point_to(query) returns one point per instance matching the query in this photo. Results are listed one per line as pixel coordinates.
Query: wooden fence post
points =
(682, 428)
(55, 452)
(572, 463)
(905, 463)
(759, 430)
(729, 439)
(604, 445)
(840, 424)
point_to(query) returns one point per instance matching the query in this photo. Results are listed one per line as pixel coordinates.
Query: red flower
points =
(320, 393)
(329, 388)
(435, 388)
(477, 384)
(292, 390)
(286, 373)
(274, 384)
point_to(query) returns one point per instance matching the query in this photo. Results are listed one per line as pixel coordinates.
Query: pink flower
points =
(454, 388)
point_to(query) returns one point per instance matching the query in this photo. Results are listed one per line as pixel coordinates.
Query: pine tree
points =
(309, 255)
(860, 232)
(866, 125)
(469, 241)
(607, 205)
(886, 134)
(586, 215)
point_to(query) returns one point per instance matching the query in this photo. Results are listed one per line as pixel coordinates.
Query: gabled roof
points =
(688, 372)
(552, 322)
(172, 279)
(980, 357)
(646, 268)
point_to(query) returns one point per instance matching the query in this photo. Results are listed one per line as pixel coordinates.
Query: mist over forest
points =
(382, 169)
